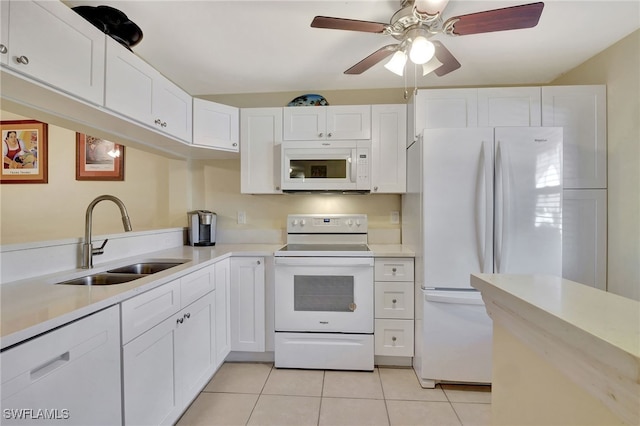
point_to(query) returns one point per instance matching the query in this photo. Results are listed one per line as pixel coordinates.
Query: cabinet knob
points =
(22, 60)
(329, 135)
(277, 188)
(393, 339)
(3, 49)
(375, 188)
(258, 262)
(158, 121)
(180, 320)
(394, 301)
(394, 270)
(164, 124)
(235, 144)
(320, 135)
(187, 315)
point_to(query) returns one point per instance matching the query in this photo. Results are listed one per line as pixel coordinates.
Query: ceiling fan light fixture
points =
(397, 62)
(431, 66)
(422, 50)
(430, 8)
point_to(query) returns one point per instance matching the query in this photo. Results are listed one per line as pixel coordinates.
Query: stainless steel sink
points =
(103, 279)
(144, 268)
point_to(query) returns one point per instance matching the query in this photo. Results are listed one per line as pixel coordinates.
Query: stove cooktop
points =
(324, 250)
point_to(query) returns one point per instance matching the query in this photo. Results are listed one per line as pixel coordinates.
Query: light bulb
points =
(431, 66)
(421, 50)
(397, 62)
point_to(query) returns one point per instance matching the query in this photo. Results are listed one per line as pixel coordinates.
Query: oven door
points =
(324, 294)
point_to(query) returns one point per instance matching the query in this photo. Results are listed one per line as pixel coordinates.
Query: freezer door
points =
(457, 338)
(457, 205)
(528, 200)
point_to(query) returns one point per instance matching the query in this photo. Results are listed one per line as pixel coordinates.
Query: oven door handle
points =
(324, 261)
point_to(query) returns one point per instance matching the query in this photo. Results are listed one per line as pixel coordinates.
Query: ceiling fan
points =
(419, 20)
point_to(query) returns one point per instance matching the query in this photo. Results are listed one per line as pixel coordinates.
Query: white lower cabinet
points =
(223, 317)
(68, 376)
(247, 304)
(394, 307)
(166, 366)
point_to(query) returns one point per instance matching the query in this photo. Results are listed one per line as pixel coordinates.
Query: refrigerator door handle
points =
(481, 210)
(499, 209)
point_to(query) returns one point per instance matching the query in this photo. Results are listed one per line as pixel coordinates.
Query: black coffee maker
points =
(202, 228)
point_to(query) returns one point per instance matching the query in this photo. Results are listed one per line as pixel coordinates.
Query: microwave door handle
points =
(353, 168)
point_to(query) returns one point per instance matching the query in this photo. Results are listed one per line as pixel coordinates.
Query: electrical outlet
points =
(395, 217)
(242, 218)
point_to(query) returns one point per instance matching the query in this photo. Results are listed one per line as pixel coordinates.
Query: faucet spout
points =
(87, 247)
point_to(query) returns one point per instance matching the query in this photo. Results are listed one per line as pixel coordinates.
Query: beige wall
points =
(154, 190)
(619, 68)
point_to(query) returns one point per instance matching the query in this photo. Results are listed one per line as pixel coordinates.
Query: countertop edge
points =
(609, 372)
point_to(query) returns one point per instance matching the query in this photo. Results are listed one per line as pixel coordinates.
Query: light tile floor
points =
(260, 394)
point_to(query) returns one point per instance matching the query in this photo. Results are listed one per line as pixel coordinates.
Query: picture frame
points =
(24, 151)
(98, 159)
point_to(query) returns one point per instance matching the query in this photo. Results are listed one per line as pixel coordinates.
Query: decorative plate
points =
(309, 100)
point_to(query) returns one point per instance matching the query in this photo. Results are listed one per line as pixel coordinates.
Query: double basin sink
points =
(125, 274)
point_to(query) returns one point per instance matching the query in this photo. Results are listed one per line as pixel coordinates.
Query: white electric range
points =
(324, 311)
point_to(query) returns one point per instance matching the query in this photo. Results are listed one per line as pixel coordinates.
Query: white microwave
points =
(326, 166)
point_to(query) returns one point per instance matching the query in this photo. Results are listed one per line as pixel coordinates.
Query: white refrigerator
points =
(479, 200)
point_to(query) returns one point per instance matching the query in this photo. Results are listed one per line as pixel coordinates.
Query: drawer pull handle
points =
(49, 366)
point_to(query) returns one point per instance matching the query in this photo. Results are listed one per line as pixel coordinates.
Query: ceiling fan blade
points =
(347, 24)
(372, 59)
(449, 62)
(508, 18)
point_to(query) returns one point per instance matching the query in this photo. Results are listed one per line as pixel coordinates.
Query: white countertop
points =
(591, 336)
(36, 305)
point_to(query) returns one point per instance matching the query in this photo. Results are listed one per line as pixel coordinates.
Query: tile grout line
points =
(259, 395)
(324, 373)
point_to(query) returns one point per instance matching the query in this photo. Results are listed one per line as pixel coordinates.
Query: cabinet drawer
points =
(148, 309)
(393, 269)
(394, 337)
(394, 300)
(196, 285)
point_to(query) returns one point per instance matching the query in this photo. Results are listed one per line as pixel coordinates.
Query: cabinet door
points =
(56, 46)
(348, 122)
(388, 149)
(172, 109)
(509, 106)
(73, 371)
(247, 304)
(445, 108)
(581, 112)
(260, 139)
(4, 32)
(584, 237)
(195, 347)
(150, 391)
(305, 123)
(129, 84)
(223, 317)
(215, 125)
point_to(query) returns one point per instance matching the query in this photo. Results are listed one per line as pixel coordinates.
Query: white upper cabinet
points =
(388, 151)
(509, 106)
(260, 138)
(135, 89)
(327, 122)
(443, 108)
(49, 42)
(215, 125)
(581, 112)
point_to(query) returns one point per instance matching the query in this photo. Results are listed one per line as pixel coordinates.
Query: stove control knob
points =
(358, 222)
(349, 222)
(302, 222)
(294, 222)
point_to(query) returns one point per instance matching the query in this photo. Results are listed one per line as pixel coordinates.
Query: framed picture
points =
(24, 151)
(98, 159)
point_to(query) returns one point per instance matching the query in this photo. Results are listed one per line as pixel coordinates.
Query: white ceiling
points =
(242, 46)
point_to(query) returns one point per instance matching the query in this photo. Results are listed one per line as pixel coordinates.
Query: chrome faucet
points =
(87, 248)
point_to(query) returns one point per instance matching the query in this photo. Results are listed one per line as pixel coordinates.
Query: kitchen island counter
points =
(564, 353)
(36, 305)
